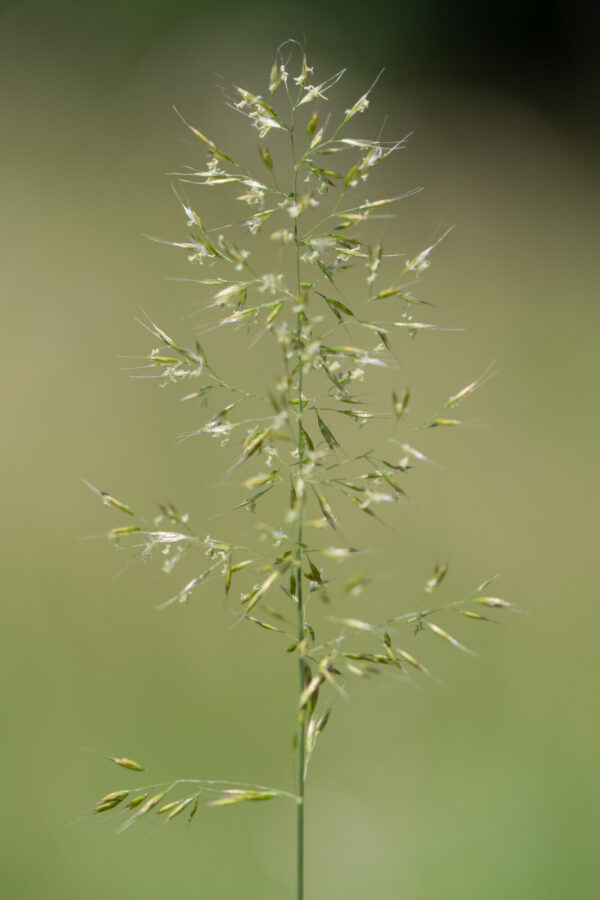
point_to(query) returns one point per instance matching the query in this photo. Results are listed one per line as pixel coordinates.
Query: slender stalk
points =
(301, 732)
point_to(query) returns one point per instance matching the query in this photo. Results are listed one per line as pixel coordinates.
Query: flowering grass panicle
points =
(337, 306)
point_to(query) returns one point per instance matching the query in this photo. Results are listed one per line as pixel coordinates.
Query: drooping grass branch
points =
(333, 334)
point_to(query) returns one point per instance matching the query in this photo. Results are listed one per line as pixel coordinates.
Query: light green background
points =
(483, 786)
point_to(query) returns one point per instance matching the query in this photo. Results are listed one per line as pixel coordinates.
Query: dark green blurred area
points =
(484, 786)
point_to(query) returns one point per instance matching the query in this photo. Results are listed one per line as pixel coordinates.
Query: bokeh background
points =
(482, 786)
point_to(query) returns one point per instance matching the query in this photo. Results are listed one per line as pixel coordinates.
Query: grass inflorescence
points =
(301, 446)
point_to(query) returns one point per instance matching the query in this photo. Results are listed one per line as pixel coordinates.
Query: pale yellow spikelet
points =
(448, 637)
(151, 803)
(493, 601)
(127, 763)
(235, 795)
(179, 807)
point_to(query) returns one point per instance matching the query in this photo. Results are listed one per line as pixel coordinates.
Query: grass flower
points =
(294, 445)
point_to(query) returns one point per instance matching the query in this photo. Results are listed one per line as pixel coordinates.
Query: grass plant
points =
(317, 451)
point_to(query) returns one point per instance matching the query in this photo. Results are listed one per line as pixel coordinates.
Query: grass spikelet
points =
(108, 500)
(400, 405)
(477, 616)
(151, 803)
(326, 509)
(179, 807)
(339, 553)
(456, 398)
(167, 807)
(104, 807)
(409, 658)
(448, 637)
(136, 801)
(310, 690)
(127, 763)
(193, 809)
(357, 624)
(443, 423)
(113, 798)
(468, 389)
(266, 625)
(496, 602)
(438, 576)
(233, 796)
(380, 658)
(144, 808)
(327, 434)
(256, 596)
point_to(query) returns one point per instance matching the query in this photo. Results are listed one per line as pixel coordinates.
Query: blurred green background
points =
(484, 786)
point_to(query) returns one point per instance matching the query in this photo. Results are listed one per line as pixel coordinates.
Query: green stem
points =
(301, 732)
